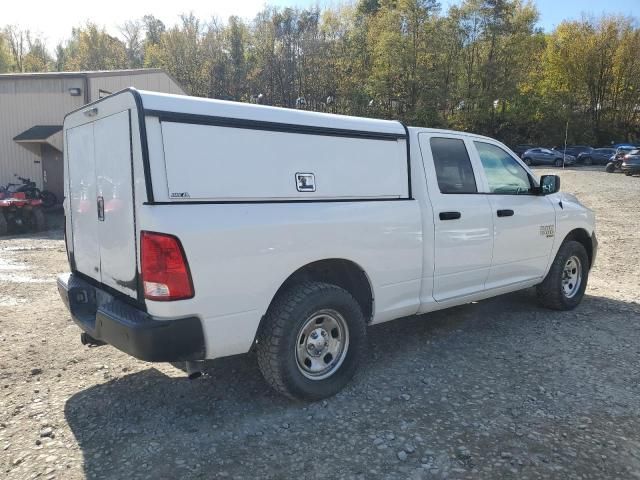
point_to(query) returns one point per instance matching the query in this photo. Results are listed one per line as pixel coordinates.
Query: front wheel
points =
(564, 285)
(588, 161)
(527, 161)
(311, 341)
(558, 162)
(4, 226)
(610, 168)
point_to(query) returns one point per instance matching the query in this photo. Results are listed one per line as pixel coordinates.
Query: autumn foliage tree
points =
(483, 65)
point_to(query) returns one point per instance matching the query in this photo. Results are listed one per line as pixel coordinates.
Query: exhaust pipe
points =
(194, 369)
(88, 340)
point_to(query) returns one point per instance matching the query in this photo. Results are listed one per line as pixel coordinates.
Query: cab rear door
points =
(463, 227)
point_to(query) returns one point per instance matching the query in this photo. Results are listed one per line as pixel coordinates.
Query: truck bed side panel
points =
(240, 254)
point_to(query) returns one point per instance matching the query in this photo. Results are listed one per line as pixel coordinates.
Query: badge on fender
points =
(547, 231)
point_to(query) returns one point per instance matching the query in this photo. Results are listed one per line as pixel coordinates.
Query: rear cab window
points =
(453, 166)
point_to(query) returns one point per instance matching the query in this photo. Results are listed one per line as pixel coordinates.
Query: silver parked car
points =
(547, 156)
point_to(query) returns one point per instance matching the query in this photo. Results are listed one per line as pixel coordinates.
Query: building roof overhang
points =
(41, 134)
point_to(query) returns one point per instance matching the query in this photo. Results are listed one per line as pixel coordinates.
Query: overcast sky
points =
(54, 20)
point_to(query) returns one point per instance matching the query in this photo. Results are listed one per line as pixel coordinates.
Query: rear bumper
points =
(110, 320)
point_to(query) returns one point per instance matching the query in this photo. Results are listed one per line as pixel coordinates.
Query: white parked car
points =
(199, 228)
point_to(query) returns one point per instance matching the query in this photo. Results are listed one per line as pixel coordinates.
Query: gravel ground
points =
(497, 389)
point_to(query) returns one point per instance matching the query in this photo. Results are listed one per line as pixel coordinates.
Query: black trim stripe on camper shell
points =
(293, 200)
(408, 142)
(213, 120)
(232, 122)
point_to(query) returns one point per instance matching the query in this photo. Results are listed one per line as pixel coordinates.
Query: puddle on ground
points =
(9, 273)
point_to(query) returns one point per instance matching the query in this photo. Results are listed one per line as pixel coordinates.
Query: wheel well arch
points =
(580, 235)
(337, 271)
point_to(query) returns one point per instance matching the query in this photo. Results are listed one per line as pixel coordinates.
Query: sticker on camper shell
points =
(305, 182)
(547, 231)
(180, 195)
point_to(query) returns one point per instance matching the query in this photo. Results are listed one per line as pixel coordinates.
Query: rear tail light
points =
(165, 271)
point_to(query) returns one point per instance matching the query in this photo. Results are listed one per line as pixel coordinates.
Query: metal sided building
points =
(33, 106)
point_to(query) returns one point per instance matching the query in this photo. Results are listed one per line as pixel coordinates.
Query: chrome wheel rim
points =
(571, 277)
(322, 344)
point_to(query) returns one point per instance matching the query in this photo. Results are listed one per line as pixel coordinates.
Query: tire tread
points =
(550, 290)
(274, 328)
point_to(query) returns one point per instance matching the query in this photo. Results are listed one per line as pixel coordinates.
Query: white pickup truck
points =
(199, 228)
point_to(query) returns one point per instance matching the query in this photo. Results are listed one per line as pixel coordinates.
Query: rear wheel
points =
(311, 341)
(527, 161)
(588, 161)
(610, 168)
(558, 162)
(4, 228)
(564, 285)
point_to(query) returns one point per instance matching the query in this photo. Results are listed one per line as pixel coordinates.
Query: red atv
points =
(19, 213)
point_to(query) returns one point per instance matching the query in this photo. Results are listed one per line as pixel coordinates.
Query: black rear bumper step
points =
(129, 329)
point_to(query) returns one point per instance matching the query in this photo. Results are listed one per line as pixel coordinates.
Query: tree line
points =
(483, 66)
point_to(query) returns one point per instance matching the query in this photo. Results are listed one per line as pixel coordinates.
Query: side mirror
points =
(549, 184)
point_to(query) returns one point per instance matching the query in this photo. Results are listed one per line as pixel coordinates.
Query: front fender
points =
(570, 215)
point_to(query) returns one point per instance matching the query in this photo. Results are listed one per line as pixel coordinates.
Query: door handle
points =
(101, 209)
(450, 215)
(505, 213)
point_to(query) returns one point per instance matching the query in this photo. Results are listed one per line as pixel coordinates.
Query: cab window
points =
(504, 174)
(453, 166)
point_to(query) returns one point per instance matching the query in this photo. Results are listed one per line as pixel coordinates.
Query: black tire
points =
(588, 161)
(49, 199)
(628, 174)
(558, 162)
(610, 168)
(38, 220)
(527, 161)
(278, 336)
(551, 293)
(4, 227)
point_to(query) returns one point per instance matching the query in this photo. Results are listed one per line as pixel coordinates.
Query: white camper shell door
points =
(101, 201)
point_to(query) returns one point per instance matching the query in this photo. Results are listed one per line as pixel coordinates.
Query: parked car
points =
(575, 150)
(631, 163)
(243, 227)
(547, 156)
(623, 145)
(520, 149)
(597, 156)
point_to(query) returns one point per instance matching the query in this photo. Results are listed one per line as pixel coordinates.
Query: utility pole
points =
(566, 134)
